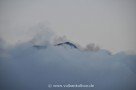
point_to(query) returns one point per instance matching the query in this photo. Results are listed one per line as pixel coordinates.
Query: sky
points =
(111, 24)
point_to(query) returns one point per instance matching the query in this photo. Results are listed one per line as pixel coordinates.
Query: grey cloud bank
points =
(25, 67)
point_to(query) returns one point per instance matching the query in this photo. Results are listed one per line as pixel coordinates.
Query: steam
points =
(59, 39)
(92, 47)
(43, 35)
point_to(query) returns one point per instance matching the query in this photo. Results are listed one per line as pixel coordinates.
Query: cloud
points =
(4, 48)
(28, 68)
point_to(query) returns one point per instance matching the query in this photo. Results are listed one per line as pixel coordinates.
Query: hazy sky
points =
(111, 24)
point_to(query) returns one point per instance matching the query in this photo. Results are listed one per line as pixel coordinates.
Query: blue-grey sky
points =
(111, 24)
